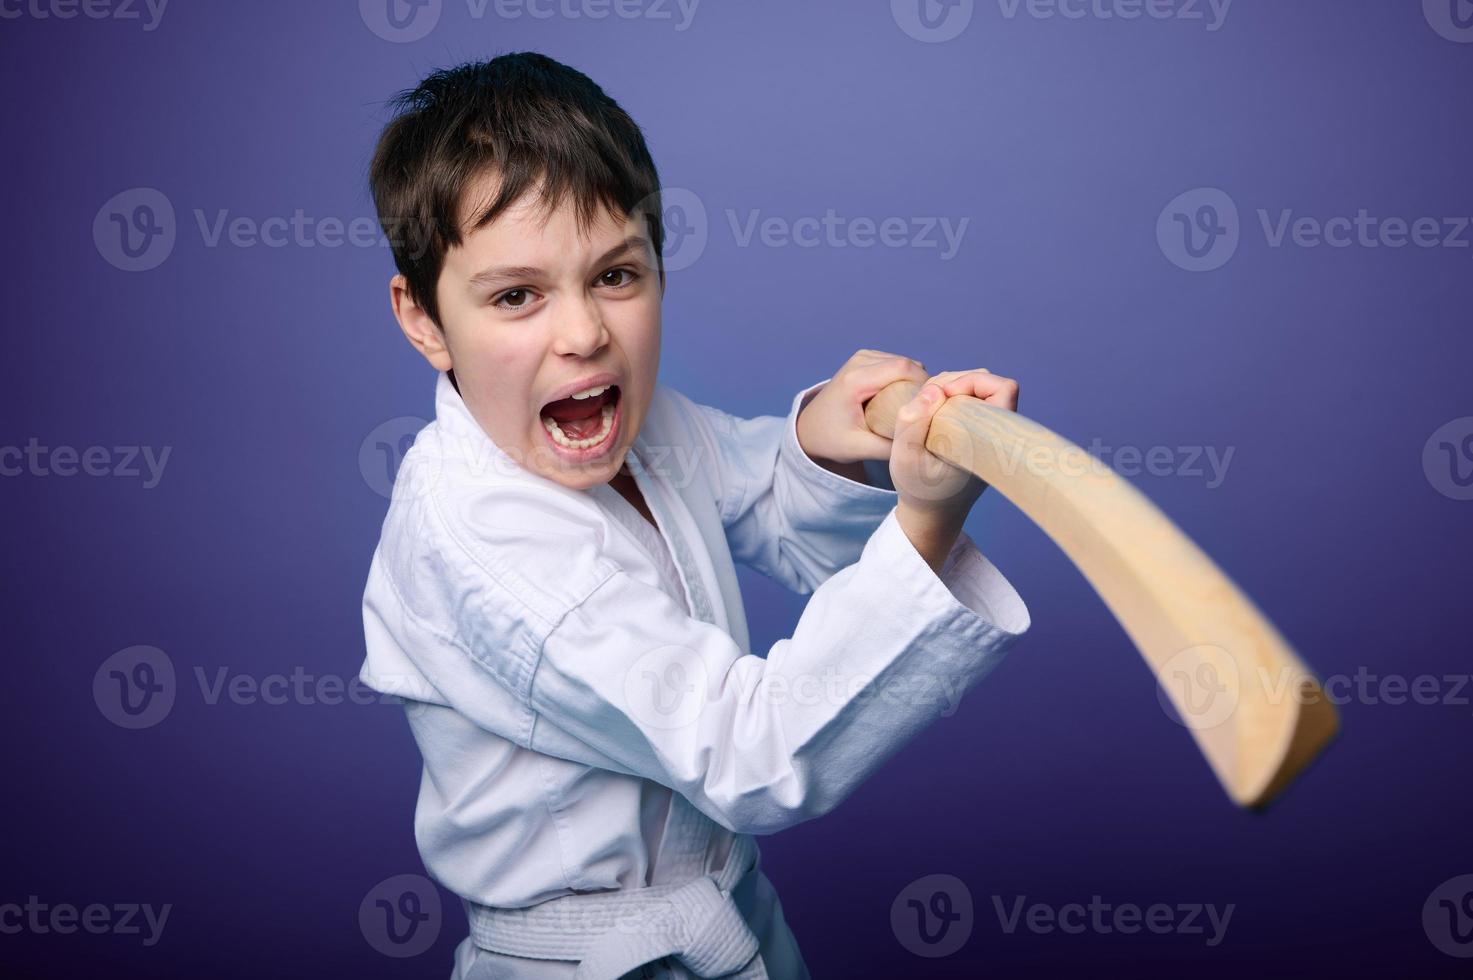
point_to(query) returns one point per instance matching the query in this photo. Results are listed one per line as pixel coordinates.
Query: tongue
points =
(579, 418)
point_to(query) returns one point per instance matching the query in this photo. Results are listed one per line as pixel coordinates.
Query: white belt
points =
(609, 933)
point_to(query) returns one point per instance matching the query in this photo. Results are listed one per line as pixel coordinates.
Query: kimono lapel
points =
(683, 537)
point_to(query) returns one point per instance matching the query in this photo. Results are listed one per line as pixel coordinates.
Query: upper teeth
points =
(593, 392)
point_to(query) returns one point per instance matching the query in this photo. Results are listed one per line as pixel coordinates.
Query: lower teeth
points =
(558, 436)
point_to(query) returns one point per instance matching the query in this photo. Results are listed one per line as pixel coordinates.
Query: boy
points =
(554, 591)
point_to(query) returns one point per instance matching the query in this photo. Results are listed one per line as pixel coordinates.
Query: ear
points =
(420, 329)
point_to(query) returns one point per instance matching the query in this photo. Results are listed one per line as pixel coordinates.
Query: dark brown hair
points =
(528, 119)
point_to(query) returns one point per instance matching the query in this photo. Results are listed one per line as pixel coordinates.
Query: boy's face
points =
(531, 313)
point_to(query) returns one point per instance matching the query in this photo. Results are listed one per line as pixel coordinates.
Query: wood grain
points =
(1256, 711)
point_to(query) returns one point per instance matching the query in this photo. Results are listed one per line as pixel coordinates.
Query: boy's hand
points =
(831, 427)
(934, 496)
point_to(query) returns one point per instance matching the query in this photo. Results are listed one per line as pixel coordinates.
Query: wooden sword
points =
(1256, 711)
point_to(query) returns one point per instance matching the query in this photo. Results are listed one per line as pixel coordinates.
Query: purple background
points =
(265, 370)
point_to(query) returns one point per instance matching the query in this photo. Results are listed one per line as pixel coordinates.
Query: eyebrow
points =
(506, 273)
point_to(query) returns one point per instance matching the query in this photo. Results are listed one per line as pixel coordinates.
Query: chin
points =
(586, 475)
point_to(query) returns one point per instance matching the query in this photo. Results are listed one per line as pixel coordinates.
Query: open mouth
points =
(582, 425)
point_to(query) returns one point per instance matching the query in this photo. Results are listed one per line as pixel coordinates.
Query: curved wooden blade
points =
(1254, 708)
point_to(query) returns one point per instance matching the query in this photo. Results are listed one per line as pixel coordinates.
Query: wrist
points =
(931, 533)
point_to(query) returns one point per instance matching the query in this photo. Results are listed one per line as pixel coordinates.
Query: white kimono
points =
(598, 739)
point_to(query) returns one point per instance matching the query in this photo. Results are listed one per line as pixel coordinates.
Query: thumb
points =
(912, 422)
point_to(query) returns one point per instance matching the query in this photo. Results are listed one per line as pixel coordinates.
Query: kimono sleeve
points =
(625, 680)
(784, 514)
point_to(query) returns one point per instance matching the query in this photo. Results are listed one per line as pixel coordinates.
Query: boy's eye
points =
(618, 272)
(513, 299)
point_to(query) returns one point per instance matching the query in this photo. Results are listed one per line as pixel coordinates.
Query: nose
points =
(580, 329)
